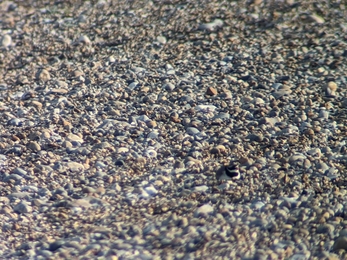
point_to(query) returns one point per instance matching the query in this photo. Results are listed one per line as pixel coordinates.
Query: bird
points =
(228, 172)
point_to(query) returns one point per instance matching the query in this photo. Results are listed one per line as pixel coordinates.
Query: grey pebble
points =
(192, 131)
(169, 86)
(22, 207)
(20, 171)
(15, 122)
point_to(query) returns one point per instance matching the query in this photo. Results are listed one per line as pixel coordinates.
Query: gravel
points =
(115, 118)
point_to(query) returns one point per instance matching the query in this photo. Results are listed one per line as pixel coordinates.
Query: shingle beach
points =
(115, 117)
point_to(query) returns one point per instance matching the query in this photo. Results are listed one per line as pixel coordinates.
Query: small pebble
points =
(34, 146)
(331, 88)
(212, 25)
(6, 41)
(211, 91)
(22, 208)
(204, 210)
(43, 75)
(84, 39)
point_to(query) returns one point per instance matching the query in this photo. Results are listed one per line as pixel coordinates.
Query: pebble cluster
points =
(116, 115)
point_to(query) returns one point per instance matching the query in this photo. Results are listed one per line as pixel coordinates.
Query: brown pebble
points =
(332, 86)
(278, 155)
(174, 117)
(43, 75)
(15, 138)
(309, 132)
(246, 161)
(36, 104)
(77, 73)
(86, 166)
(211, 91)
(219, 149)
(21, 135)
(100, 190)
(331, 89)
(151, 124)
(65, 123)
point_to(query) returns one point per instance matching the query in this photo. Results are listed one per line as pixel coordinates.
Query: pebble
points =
(112, 59)
(204, 210)
(211, 91)
(74, 166)
(340, 243)
(6, 41)
(38, 105)
(84, 39)
(150, 153)
(74, 138)
(20, 171)
(205, 108)
(169, 86)
(61, 84)
(201, 188)
(22, 207)
(161, 39)
(151, 124)
(122, 150)
(58, 91)
(43, 75)
(151, 191)
(219, 149)
(217, 23)
(330, 89)
(34, 146)
(192, 131)
(317, 19)
(323, 113)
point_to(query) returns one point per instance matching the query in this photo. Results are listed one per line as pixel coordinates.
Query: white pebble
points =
(161, 39)
(150, 153)
(212, 25)
(205, 108)
(84, 39)
(151, 190)
(111, 59)
(6, 41)
(204, 210)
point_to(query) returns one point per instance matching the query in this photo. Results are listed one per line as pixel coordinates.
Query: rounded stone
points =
(6, 41)
(34, 146)
(43, 75)
(204, 210)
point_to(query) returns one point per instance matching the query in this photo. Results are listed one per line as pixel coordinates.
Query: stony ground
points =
(116, 116)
